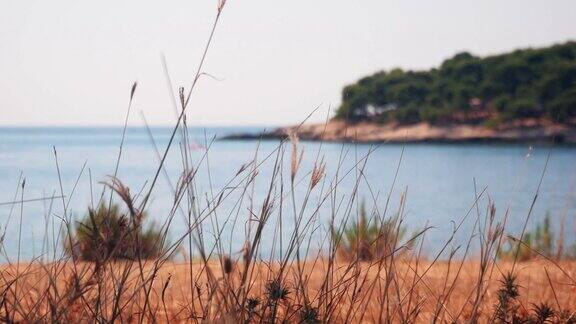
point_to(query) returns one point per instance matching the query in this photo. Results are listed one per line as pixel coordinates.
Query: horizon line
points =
(131, 126)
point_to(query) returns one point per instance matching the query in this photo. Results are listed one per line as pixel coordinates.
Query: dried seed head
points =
(242, 168)
(221, 4)
(124, 192)
(317, 173)
(496, 233)
(295, 159)
(133, 90)
(227, 265)
(182, 96)
(492, 212)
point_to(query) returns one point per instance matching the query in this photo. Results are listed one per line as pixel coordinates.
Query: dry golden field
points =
(404, 291)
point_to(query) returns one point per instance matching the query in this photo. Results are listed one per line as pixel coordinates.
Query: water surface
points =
(438, 180)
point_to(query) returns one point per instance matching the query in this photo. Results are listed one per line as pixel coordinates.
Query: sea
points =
(50, 176)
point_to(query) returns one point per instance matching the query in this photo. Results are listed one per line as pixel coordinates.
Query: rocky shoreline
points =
(367, 132)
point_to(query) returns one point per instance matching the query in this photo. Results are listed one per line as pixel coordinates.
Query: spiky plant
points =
(508, 293)
(543, 313)
(366, 240)
(276, 291)
(108, 233)
(309, 315)
(252, 303)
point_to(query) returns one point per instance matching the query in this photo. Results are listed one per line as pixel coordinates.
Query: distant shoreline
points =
(369, 132)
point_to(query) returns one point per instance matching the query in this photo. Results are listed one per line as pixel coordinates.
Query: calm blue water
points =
(438, 179)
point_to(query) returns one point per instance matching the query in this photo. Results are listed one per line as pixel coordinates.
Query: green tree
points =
(527, 83)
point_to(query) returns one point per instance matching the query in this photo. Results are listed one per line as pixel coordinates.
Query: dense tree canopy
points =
(521, 84)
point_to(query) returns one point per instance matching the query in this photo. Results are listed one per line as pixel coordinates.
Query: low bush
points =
(368, 239)
(108, 233)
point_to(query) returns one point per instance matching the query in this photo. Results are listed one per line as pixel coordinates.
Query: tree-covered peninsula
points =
(533, 83)
(528, 95)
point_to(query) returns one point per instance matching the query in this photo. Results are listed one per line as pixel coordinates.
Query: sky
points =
(72, 63)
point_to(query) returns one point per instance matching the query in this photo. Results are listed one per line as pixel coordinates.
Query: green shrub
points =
(502, 102)
(493, 122)
(540, 240)
(563, 107)
(407, 115)
(525, 107)
(435, 115)
(368, 240)
(107, 233)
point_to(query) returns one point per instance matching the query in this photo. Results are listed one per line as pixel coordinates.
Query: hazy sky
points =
(73, 62)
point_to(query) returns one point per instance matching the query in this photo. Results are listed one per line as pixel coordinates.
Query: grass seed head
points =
(317, 173)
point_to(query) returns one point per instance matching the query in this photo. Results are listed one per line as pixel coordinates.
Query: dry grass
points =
(171, 299)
